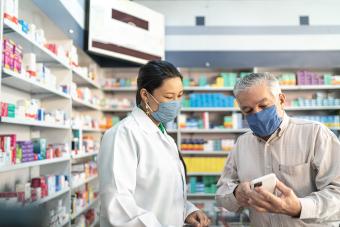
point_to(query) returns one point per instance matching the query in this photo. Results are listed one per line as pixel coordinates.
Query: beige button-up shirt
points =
(304, 155)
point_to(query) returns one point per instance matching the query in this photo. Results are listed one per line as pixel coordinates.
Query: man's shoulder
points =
(305, 124)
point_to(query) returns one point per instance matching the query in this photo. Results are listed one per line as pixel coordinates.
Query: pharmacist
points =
(142, 174)
(304, 155)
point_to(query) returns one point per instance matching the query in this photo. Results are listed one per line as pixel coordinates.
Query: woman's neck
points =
(149, 115)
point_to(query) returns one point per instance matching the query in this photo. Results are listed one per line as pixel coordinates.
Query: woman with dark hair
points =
(142, 174)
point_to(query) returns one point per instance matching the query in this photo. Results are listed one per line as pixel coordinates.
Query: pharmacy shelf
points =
(83, 80)
(33, 123)
(31, 46)
(171, 131)
(67, 220)
(84, 155)
(117, 89)
(32, 164)
(89, 179)
(200, 195)
(310, 87)
(88, 129)
(205, 153)
(208, 88)
(206, 131)
(302, 108)
(286, 88)
(96, 221)
(76, 102)
(85, 208)
(293, 87)
(50, 197)
(210, 109)
(23, 83)
(203, 174)
(117, 110)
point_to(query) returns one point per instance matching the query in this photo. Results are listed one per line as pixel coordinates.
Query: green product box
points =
(327, 79)
(39, 147)
(186, 82)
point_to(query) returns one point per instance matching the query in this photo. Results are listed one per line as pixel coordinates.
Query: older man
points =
(304, 155)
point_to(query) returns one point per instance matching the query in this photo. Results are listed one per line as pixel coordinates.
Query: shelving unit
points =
(33, 164)
(85, 208)
(89, 179)
(205, 153)
(33, 123)
(25, 84)
(50, 197)
(84, 155)
(15, 86)
(76, 102)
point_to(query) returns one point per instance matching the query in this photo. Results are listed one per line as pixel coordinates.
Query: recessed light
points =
(71, 31)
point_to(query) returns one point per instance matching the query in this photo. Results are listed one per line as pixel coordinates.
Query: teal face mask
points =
(167, 111)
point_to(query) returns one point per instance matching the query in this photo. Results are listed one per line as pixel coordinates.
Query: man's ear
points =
(282, 99)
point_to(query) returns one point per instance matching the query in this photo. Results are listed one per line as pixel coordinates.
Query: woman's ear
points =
(144, 95)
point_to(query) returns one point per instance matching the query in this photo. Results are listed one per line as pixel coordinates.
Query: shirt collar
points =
(283, 125)
(144, 121)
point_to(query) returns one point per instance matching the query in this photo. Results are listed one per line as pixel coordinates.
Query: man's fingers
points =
(259, 209)
(192, 220)
(258, 202)
(283, 188)
(270, 198)
(203, 219)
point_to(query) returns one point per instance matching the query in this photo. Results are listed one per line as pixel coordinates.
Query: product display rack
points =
(54, 133)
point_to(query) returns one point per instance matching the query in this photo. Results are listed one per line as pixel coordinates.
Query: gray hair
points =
(256, 79)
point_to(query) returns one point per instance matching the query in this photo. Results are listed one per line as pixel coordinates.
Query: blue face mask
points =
(265, 122)
(167, 111)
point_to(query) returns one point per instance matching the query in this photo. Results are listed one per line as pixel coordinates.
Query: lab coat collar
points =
(144, 121)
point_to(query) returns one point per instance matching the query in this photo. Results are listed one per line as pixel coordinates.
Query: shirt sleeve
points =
(118, 160)
(324, 204)
(227, 183)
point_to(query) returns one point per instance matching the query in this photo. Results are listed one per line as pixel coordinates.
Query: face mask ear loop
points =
(148, 106)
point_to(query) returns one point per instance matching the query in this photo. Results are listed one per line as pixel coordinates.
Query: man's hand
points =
(198, 219)
(242, 192)
(264, 201)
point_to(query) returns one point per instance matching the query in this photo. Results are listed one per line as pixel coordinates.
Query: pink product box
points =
(8, 47)
(17, 60)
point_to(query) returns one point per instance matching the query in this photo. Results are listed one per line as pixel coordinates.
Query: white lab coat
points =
(142, 180)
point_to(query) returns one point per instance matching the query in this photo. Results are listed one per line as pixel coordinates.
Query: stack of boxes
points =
(7, 150)
(205, 164)
(207, 145)
(209, 100)
(25, 152)
(205, 186)
(12, 56)
(7, 110)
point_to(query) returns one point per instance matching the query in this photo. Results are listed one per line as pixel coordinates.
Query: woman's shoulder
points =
(126, 125)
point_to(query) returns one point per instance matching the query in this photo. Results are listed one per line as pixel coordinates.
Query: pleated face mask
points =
(265, 122)
(167, 111)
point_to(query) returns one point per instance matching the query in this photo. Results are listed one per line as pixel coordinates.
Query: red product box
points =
(3, 109)
(13, 146)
